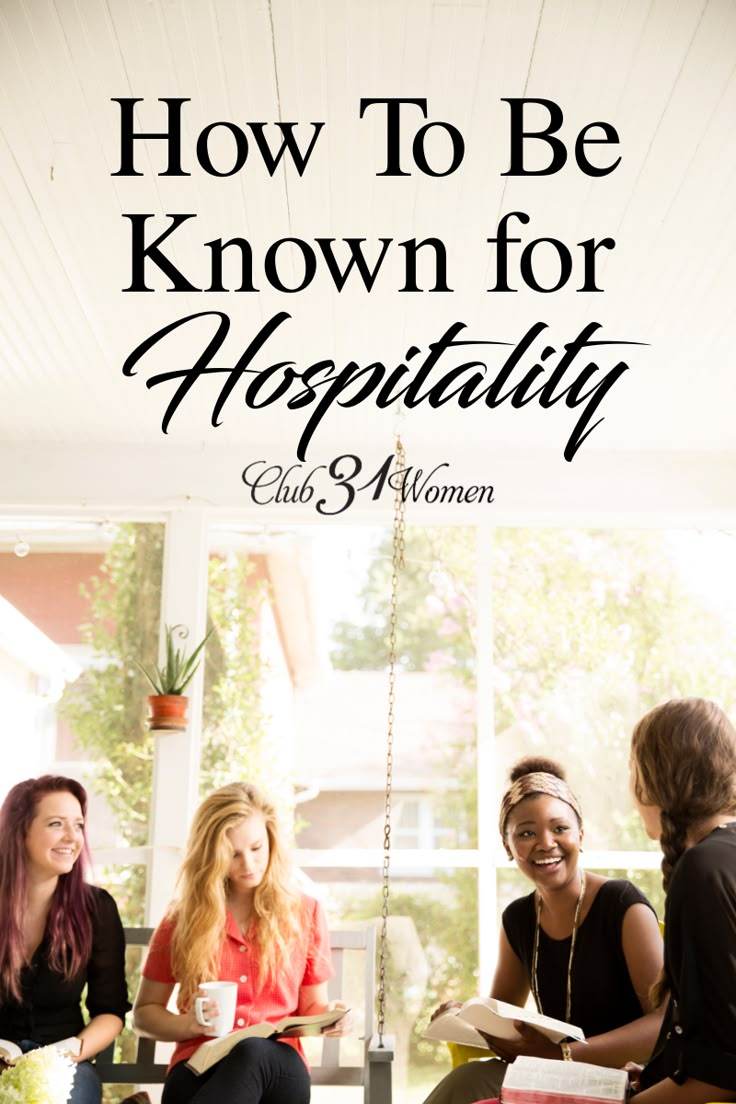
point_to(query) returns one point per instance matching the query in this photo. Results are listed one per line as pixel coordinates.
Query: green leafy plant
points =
(179, 668)
(108, 716)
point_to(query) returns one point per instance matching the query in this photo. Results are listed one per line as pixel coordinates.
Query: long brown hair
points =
(69, 921)
(684, 758)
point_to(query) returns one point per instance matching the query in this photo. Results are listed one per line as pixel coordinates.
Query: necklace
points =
(535, 952)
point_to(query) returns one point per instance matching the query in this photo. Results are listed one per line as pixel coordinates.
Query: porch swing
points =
(385, 1046)
(379, 1047)
(375, 1075)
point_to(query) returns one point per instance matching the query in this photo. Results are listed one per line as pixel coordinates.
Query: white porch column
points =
(488, 788)
(177, 754)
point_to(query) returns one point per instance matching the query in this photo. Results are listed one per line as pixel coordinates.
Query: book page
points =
(295, 1026)
(496, 1017)
(289, 1027)
(9, 1051)
(550, 1078)
(449, 1028)
(214, 1049)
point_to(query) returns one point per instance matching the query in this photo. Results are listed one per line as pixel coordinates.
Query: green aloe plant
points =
(179, 668)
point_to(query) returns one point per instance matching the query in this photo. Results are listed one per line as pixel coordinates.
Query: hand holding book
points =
(531, 1042)
(329, 1022)
(11, 1052)
(633, 1072)
(342, 1026)
(501, 1027)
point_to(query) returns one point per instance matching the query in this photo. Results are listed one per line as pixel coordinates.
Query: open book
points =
(11, 1052)
(541, 1081)
(289, 1028)
(464, 1024)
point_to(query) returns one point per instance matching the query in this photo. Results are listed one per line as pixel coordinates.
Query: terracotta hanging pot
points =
(169, 705)
(168, 711)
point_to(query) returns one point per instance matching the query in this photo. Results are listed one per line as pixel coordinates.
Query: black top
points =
(698, 1036)
(603, 996)
(50, 1006)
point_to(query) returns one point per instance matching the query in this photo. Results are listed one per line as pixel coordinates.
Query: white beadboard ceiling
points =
(662, 72)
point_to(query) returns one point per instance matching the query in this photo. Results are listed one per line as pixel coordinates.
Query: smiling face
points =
(56, 836)
(543, 837)
(251, 852)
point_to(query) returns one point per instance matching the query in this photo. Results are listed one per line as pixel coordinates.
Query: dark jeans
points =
(256, 1071)
(86, 1089)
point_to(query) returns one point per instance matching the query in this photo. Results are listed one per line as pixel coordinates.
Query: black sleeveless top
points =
(603, 996)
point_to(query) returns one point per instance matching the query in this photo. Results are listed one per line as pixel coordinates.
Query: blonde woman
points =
(237, 917)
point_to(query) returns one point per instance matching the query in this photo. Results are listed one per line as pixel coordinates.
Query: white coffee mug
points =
(225, 994)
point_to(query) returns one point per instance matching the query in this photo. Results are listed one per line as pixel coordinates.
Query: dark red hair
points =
(69, 922)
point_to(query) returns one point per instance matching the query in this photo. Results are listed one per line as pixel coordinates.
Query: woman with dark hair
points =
(58, 934)
(683, 780)
(587, 948)
(237, 917)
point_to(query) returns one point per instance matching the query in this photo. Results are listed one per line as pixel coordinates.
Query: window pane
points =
(247, 711)
(83, 604)
(432, 957)
(591, 629)
(319, 600)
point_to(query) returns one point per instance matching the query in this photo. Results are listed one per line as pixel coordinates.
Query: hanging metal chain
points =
(399, 546)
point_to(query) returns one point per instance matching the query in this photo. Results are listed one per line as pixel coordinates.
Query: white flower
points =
(43, 1076)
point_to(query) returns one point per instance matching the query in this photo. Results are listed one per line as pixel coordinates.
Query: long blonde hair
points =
(200, 908)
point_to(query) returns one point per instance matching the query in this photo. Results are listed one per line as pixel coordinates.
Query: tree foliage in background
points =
(106, 708)
(236, 742)
(436, 607)
(591, 628)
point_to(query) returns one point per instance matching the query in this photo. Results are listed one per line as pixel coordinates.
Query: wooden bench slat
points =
(374, 1074)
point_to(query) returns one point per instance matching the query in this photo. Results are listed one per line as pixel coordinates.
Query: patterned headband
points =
(538, 782)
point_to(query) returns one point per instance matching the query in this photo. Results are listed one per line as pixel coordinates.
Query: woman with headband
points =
(587, 948)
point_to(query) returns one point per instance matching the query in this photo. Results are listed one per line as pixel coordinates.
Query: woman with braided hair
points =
(683, 780)
(587, 948)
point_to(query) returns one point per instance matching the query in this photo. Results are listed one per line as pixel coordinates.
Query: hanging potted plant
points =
(167, 703)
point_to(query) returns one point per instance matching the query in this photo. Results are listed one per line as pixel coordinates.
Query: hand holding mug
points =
(201, 1012)
(214, 1007)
